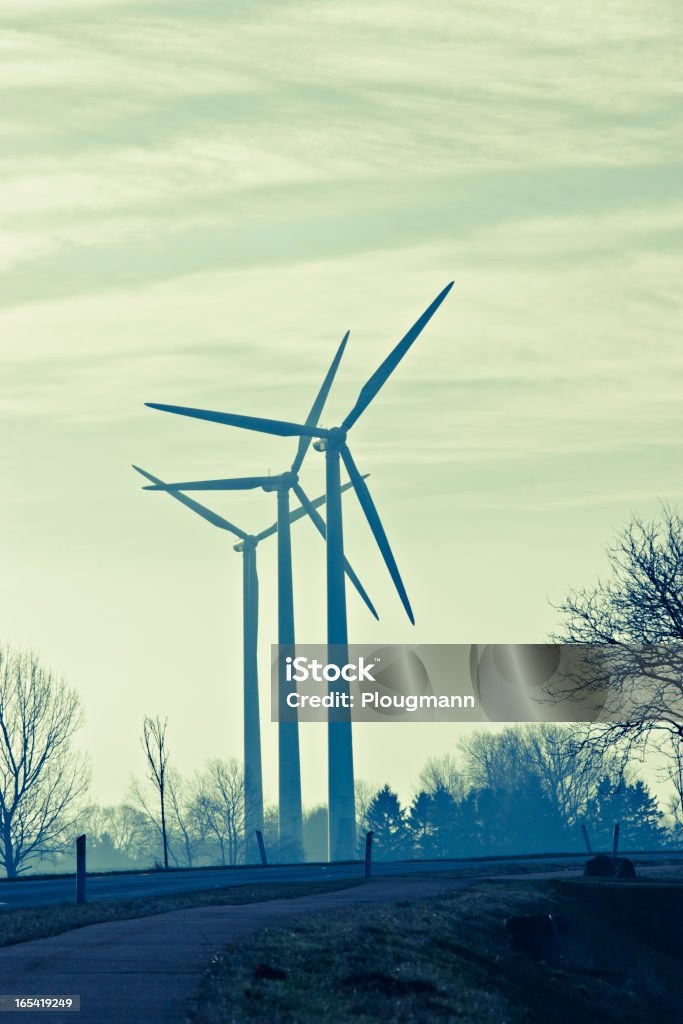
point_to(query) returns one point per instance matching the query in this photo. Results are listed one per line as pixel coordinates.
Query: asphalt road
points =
(41, 892)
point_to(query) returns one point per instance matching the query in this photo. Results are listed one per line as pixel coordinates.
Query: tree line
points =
(524, 789)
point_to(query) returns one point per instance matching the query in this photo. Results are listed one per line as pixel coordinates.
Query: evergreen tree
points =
(387, 821)
(643, 819)
(468, 824)
(634, 807)
(420, 825)
(445, 842)
(435, 822)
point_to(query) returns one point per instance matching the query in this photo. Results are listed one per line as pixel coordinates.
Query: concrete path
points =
(147, 970)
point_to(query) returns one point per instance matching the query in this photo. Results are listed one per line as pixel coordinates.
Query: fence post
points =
(586, 839)
(615, 841)
(80, 869)
(261, 847)
(368, 854)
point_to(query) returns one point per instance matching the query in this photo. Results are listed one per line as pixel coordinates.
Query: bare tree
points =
(187, 823)
(271, 827)
(493, 760)
(674, 775)
(219, 803)
(568, 768)
(129, 829)
(42, 779)
(156, 754)
(636, 616)
(365, 793)
(93, 820)
(443, 773)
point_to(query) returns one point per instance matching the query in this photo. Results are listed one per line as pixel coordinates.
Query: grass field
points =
(450, 959)
(39, 922)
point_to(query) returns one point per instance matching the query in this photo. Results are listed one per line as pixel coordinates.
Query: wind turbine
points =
(333, 442)
(290, 806)
(246, 546)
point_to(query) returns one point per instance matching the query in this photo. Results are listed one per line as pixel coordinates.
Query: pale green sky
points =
(199, 199)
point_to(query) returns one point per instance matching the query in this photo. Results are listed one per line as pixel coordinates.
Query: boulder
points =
(625, 868)
(603, 866)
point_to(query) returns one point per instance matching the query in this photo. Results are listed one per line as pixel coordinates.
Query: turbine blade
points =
(319, 522)
(280, 427)
(372, 516)
(237, 483)
(318, 405)
(267, 533)
(297, 513)
(382, 374)
(201, 510)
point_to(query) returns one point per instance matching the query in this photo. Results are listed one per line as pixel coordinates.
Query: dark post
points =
(80, 869)
(261, 847)
(368, 854)
(615, 842)
(586, 839)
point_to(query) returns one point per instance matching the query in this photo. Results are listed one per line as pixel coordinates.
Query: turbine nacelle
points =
(334, 440)
(248, 544)
(281, 482)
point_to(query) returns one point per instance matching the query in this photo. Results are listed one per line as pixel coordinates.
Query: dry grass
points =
(664, 872)
(39, 922)
(491, 870)
(449, 959)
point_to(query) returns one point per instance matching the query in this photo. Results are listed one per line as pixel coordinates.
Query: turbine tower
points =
(289, 776)
(246, 546)
(333, 443)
